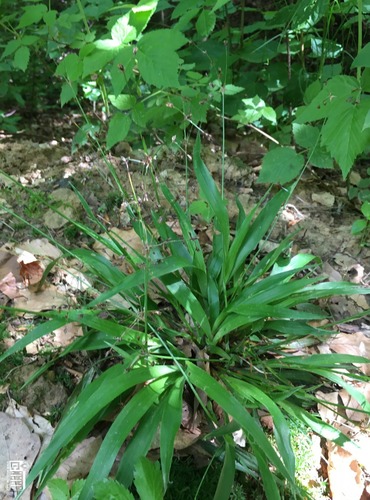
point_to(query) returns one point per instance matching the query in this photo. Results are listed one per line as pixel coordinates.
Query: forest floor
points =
(40, 171)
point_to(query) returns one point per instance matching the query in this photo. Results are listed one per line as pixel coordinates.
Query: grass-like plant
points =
(222, 323)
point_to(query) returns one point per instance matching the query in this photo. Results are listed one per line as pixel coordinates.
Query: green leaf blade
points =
(148, 480)
(118, 129)
(280, 166)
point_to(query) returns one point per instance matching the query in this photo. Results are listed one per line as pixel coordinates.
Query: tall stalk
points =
(359, 34)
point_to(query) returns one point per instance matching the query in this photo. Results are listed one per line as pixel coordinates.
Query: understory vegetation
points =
(200, 313)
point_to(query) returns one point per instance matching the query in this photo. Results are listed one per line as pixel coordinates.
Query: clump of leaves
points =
(219, 323)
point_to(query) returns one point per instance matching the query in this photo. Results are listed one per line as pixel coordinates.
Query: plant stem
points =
(82, 12)
(359, 35)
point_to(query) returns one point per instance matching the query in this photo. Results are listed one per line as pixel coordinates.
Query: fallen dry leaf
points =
(127, 238)
(36, 423)
(71, 279)
(344, 471)
(78, 464)
(61, 337)
(18, 444)
(345, 475)
(31, 273)
(8, 286)
(44, 300)
(357, 344)
(41, 247)
(9, 264)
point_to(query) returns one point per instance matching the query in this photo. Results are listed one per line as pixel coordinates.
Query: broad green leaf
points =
(231, 89)
(171, 421)
(269, 113)
(123, 102)
(198, 109)
(21, 58)
(254, 433)
(76, 488)
(367, 121)
(280, 166)
(157, 58)
(219, 4)
(123, 424)
(189, 302)
(315, 292)
(108, 489)
(90, 402)
(182, 7)
(249, 236)
(306, 136)
(11, 47)
(32, 15)
(122, 69)
(213, 297)
(141, 14)
(358, 226)
(295, 328)
(212, 195)
(226, 479)
(107, 44)
(322, 360)
(257, 311)
(140, 442)
(297, 262)
(68, 92)
(342, 134)
(269, 483)
(97, 61)
(281, 427)
(271, 289)
(365, 209)
(185, 19)
(260, 50)
(205, 23)
(148, 480)
(100, 266)
(236, 320)
(319, 157)
(50, 18)
(84, 133)
(363, 58)
(335, 92)
(95, 10)
(255, 107)
(119, 126)
(122, 31)
(29, 40)
(59, 489)
(70, 66)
